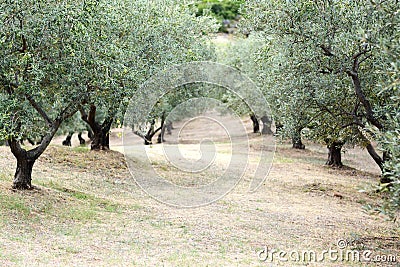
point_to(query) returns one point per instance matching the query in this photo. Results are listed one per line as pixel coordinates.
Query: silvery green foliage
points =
(390, 140)
(390, 88)
(182, 94)
(150, 36)
(312, 49)
(242, 54)
(44, 59)
(317, 51)
(93, 51)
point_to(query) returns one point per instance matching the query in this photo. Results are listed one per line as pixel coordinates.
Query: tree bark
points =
(101, 132)
(81, 140)
(385, 179)
(266, 125)
(369, 111)
(90, 134)
(335, 154)
(25, 161)
(256, 125)
(378, 159)
(23, 174)
(362, 98)
(150, 133)
(160, 138)
(101, 139)
(296, 140)
(67, 141)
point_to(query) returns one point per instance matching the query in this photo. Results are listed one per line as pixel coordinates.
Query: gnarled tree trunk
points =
(369, 111)
(385, 179)
(160, 138)
(101, 138)
(335, 154)
(256, 124)
(67, 141)
(23, 174)
(81, 140)
(90, 134)
(26, 159)
(296, 140)
(378, 159)
(101, 132)
(152, 131)
(266, 125)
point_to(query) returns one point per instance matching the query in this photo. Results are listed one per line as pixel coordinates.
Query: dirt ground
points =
(87, 211)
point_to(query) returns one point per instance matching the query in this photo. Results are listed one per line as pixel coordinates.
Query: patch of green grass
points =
(71, 192)
(85, 209)
(79, 214)
(112, 208)
(184, 228)
(80, 195)
(53, 185)
(135, 206)
(177, 257)
(17, 238)
(164, 168)
(106, 205)
(14, 203)
(81, 149)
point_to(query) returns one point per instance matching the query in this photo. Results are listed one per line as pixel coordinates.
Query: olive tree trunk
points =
(81, 140)
(256, 124)
(100, 132)
(26, 159)
(67, 141)
(23, 174)
(335, 154)
(101, 138)
(266, 125)
(296, 140)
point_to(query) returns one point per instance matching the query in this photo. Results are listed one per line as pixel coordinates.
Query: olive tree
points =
(243, 54)
(390, 87)
(44, 70)
(147, 36)
(329, 54)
